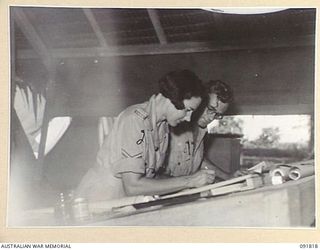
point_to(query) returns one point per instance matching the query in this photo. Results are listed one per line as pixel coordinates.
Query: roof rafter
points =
(32, 36)
(153, 14)
(96, 28)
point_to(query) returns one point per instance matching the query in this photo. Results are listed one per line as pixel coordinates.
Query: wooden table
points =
(291, 204)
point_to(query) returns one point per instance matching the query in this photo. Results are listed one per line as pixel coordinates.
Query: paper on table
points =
(282, 170)
(262, 167)
(294, 171)
(301, 171)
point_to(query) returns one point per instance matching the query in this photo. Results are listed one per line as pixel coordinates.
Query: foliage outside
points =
(267, 146)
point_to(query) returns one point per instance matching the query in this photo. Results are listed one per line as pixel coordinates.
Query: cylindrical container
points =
(80, 209)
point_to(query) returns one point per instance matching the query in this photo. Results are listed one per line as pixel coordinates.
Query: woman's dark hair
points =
(180, 85)
(221, 89)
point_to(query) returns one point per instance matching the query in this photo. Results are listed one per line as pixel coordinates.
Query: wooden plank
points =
(209, 187)
(155, 19)
(248, 184)
(172, 48)
(31, 34)
(96, 28)
(227, 189)
(254, 182)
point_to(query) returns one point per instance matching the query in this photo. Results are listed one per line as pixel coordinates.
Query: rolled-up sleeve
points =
(129, 165)
(131, 139)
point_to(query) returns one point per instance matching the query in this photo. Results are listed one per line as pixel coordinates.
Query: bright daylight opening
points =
(276, 138)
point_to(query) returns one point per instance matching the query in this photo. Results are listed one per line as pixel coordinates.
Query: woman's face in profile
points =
(176, 116)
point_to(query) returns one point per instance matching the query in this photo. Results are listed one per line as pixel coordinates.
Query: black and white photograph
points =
(189, 117)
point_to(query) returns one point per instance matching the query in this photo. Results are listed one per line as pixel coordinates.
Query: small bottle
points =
(61, 211)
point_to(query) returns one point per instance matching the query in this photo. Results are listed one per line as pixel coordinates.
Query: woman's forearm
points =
(139, 185)
(136, 184)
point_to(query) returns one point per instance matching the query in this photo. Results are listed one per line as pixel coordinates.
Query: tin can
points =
(80, 209)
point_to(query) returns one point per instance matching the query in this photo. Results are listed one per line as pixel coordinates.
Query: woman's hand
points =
(201, 178)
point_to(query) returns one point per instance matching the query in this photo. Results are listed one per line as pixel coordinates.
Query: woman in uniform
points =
(133, 153)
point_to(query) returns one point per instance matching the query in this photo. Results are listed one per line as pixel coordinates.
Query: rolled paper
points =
(302, 171)
(282, 171)
(294, 171)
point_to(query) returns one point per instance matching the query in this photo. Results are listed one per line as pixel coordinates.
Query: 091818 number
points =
(308, 246)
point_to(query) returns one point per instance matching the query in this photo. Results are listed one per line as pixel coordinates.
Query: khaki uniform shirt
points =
(185, 153)
(135, 144)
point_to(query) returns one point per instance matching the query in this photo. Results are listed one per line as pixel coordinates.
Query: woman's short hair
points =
(180, 85)
(221, 89)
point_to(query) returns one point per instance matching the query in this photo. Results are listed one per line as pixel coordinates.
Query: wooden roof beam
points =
(172, 48)
(96, 28)
(32, 36)
(155, 19)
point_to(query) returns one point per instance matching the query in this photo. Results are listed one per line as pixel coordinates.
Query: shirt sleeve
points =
(131, 139)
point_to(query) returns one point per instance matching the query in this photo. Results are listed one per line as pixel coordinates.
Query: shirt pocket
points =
(183, 161)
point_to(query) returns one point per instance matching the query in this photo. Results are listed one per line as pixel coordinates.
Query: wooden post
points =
(39, 46)
(50, 91)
